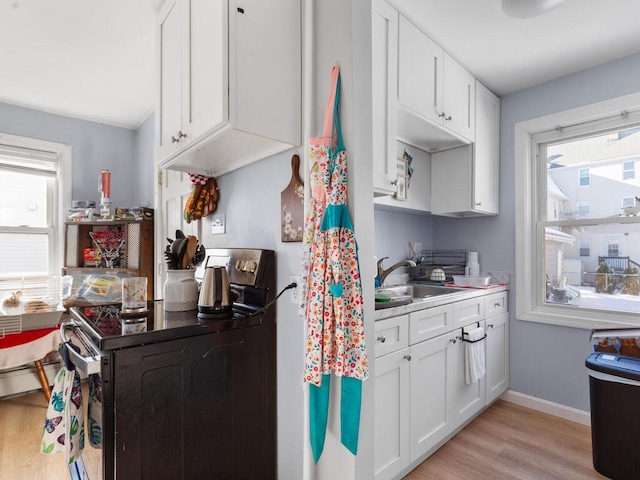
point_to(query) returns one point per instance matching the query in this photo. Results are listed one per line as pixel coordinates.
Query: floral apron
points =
(333, 302)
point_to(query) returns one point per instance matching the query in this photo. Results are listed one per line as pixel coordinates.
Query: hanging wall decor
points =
(203, 199)
(292, 205)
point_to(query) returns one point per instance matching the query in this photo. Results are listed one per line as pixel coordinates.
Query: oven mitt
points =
(64, 424)
(203, 199)
(94, 411)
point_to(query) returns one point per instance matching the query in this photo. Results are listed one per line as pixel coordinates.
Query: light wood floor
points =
(508, 441)
(21, 422)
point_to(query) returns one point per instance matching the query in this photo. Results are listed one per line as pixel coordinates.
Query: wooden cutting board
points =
(292, 205)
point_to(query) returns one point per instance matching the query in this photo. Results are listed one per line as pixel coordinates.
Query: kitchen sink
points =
(387, 297)
(424, 291)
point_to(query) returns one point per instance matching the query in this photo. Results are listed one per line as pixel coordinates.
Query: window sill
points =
(579, 318)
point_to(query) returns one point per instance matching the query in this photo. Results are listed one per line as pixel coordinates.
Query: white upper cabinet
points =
(229, 78)
(384, 47)
(421, 73)
(459, 99)
(435, 94)
(465, 180)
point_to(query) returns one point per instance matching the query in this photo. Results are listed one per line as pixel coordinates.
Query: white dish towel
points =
(474, 368)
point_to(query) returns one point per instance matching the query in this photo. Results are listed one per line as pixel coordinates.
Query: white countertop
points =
(434, 301)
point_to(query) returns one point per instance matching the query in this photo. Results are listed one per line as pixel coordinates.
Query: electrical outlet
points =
(218, 225)
(295, 292)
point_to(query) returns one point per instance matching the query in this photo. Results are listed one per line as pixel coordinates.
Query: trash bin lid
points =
(614, 364)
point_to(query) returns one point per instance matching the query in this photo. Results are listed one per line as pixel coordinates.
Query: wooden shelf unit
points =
(136, 254)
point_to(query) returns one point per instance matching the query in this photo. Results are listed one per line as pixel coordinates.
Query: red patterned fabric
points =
(15, 339)
(198, 179)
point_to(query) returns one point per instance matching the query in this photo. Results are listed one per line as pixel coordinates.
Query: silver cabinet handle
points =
(181, 134)
(407, 358)
(497, 305)
(455, 339)
(382, 339)
(489, 325)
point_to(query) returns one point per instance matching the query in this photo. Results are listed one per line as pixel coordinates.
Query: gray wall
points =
(94, 147)
(250, 200)
(546, 361)
(144, 155)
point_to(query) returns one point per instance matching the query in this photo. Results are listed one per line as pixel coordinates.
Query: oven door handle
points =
(87, 364)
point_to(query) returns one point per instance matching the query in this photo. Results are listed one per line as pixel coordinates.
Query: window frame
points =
(626, 171)
(57, 204)
(581, 177)
(530, 305)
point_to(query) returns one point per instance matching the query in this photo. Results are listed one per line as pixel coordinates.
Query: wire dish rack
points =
(453, 262)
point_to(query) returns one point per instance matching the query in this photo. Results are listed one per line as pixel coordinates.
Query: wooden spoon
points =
(192, 245)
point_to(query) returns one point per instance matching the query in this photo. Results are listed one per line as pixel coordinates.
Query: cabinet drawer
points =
(495, 304)
(429, 323)
(468, 311)
(392, 334)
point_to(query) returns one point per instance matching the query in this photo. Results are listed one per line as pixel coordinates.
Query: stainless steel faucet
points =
(382, 273)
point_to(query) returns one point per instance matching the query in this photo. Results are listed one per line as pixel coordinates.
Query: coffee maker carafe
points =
(215, 300)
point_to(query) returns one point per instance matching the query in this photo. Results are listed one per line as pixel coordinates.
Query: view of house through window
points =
(591, 222)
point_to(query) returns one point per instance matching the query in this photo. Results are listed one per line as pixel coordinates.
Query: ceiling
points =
(95, 60)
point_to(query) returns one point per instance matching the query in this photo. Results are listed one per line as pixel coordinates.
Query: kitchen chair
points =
(31, 346)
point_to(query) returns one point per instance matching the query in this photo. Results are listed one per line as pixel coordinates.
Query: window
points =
(585, 179)
(629, 170)
(558, 275)
(585, 247)
(33, 192)
(584, 209)
(628, 202)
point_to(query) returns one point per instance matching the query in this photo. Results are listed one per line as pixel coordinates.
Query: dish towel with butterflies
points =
(64, 423)
(335, 343)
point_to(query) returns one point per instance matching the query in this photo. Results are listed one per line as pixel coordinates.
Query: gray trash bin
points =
(614, 385)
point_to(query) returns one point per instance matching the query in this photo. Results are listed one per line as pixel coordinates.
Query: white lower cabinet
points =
(497, 345)
(421, 396)
(468, 400)
(430, 393)
(392, 414)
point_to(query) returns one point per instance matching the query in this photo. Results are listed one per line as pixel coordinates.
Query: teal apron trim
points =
(318, 414)
(336, 216)
(350, 403)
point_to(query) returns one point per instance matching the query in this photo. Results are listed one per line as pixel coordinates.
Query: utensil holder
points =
(181, 290)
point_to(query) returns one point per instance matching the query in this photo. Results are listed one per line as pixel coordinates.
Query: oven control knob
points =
(251, 266)
(240, 265)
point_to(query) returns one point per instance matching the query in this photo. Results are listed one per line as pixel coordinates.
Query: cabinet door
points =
(384, 47)
(486, 152)
(420, 72)
(205, 67)
(459, 99)
(265, 70)
(497, 356)
(391, 415)
(431, 401)
(169, 116)
(468, 399)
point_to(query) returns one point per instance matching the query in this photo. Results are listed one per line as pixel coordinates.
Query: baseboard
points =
(545, 406)
(22, 380)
